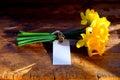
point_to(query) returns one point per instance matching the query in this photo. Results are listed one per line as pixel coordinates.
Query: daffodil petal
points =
(87, 13)
(80, 43)
(82, 15)
(83, 22)
(83, 36)
(90, 52)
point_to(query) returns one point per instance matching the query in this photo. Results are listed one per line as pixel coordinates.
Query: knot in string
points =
(60, 35)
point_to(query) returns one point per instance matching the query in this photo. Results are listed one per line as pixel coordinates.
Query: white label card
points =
(61, 53)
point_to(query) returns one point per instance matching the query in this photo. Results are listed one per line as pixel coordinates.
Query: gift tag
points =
(61, 53)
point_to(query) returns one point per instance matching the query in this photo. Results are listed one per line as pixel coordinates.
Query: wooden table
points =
(34, 61)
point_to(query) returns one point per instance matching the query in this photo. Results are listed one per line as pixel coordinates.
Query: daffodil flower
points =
(88, 17)
(94, 44)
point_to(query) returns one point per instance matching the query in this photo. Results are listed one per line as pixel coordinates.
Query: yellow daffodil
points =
(92, 42)
(88, 17)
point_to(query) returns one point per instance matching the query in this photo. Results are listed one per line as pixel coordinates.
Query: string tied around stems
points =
(61, 36)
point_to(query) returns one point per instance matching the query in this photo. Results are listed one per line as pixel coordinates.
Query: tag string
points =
(61, 36)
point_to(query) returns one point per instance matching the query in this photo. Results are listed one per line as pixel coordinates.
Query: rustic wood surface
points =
(34, 61)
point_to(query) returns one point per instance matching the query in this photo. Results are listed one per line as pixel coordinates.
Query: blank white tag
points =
(61, 53)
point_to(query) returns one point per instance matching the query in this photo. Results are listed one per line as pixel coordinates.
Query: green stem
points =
(33, 34)
(35, 37)
(23, 41)
(75, 34)
(19, 44)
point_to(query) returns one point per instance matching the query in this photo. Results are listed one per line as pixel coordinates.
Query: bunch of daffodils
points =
(96, 34)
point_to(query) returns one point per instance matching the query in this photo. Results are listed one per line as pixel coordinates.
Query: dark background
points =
(57, 9)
